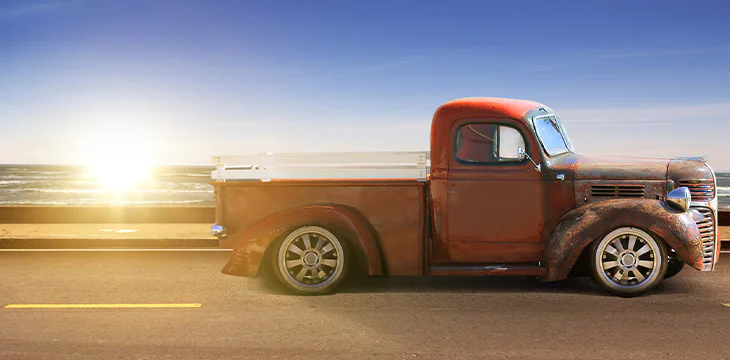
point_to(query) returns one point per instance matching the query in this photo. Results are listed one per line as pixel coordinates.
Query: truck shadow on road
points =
(689, 283)
(468, 284)
(430, 284)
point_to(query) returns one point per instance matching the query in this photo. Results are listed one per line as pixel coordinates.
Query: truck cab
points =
(502, 192)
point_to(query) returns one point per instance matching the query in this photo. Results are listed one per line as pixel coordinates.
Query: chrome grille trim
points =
(701, 190)
(707, 234)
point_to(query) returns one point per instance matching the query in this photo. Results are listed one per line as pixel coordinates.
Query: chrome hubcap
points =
(628, 259)
(310, 258)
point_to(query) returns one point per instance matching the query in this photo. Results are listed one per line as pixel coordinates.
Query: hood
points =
(689, 169)
(611, 168)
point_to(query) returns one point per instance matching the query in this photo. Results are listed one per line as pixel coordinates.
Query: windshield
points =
(552, 135)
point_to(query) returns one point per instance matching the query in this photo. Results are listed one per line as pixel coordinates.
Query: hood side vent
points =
(701, 190)
(634, 191)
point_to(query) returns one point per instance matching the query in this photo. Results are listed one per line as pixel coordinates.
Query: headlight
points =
(679, 198)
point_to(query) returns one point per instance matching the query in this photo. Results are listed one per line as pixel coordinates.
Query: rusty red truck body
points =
(502, 192)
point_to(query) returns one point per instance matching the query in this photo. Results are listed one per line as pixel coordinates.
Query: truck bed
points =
(388, 189)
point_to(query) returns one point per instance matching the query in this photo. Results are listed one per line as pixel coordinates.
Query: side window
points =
(480, 143)
(509, 140)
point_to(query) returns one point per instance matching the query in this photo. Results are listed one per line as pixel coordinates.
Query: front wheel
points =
(311, 260)
(628, 262)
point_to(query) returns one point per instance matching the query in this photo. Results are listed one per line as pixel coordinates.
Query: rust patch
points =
(581, 226)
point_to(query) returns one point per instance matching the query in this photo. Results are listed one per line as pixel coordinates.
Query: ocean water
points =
(168, 185)
(723, 190)
(76, 185)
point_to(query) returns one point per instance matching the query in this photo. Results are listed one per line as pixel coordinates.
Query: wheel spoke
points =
(646, 263)
(624, 276)
(639, 276)
(295, 249)
(329, 262)
(301, 274)
(327, 248)
(617, 243)
(618, 275)
(292, 263)
(317, 273)
(632, 242)
(611, 250)
(307, 242)
(609, 265)
(644, 249)
(320, 243)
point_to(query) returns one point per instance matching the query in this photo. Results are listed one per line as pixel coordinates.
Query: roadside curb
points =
(102, 243)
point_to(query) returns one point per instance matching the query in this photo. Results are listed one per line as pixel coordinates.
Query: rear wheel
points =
(628, 262)
(311, 260)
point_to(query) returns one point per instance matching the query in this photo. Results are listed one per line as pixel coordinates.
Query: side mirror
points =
(521, 155)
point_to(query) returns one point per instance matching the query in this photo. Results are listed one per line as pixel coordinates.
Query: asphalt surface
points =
(381, 318)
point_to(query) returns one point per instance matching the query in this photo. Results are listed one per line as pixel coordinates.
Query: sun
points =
(120, 171)
(119, 159)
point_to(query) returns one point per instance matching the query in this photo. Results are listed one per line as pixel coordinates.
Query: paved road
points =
(396, 318)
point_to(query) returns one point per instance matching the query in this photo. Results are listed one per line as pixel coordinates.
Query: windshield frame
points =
(563, 134)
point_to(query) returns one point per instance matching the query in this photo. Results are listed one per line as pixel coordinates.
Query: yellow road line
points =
(98, 306)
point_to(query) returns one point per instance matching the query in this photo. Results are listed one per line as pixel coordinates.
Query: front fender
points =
(581, 226)
(252, 242)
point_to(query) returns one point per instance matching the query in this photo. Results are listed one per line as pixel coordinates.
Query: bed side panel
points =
(394, 210)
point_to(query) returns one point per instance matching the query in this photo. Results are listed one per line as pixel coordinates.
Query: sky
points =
(176, 82)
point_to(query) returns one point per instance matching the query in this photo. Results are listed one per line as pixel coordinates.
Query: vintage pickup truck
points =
(501, 192)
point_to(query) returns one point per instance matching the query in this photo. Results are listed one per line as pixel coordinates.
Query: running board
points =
(487, 270)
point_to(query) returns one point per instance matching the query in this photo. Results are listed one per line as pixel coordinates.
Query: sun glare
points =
(119, 160)
(120, 172)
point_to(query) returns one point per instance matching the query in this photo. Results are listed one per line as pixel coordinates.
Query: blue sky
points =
(185, 80)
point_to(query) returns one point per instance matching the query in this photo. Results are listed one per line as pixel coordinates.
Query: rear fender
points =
(252, 242)
(581, 226)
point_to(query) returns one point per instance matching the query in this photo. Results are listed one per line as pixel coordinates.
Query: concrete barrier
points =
(723, 217)
(106, 214)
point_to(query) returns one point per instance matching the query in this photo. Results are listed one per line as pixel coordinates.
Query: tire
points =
(628, 262)
(675, 264)
(311, 260)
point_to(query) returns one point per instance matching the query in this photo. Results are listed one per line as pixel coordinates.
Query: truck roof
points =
(483, 107)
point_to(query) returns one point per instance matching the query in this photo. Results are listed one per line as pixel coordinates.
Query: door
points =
(495, 201)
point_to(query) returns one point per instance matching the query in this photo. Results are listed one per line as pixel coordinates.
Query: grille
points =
(707, 233)
(617, 191)
(701, 190)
